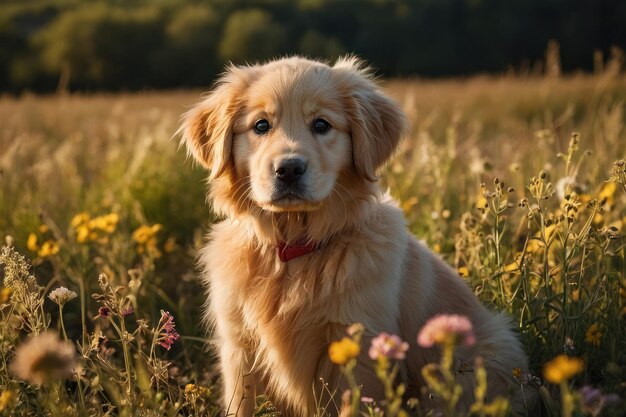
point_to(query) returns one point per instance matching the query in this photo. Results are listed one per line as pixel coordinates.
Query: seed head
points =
(44, 358)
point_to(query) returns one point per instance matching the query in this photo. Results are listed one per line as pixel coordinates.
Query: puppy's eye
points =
(261, 127)
(320, 126)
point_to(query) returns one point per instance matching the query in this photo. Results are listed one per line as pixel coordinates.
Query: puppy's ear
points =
(377, 123)
(207, 129)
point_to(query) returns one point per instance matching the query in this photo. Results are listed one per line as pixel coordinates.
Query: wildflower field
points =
(517, 182)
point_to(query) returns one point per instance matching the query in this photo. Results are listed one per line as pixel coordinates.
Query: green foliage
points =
(251, 35)
(317, 45)
(192, 36)
(112, 44)
(99, 45)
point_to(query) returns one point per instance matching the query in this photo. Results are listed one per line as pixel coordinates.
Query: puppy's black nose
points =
(290, 170)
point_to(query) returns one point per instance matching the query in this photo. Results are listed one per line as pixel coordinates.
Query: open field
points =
(93, 185)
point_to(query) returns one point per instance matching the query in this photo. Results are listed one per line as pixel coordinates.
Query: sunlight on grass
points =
(519, 183)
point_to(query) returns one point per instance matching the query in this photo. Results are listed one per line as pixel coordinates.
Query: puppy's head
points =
(282, 134)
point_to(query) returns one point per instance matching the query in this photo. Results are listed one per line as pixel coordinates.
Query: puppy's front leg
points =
(239, 382)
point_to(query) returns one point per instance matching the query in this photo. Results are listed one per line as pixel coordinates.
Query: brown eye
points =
(321, 126)
(261, 127)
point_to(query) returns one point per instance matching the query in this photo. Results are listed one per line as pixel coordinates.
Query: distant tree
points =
(252, 35)
(102, 46)
(317, 45)
(189, 56)
(19, 65)
(132, 44)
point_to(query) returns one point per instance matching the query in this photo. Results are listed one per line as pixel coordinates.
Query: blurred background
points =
(84, 45)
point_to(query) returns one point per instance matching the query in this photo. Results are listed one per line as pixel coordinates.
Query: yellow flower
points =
(598, 218)
(607, 192)
(408, 204)
(535, 244)
(31, 243)
(192, 390)
(481, 201)
(107, 223)
(80, 219)
(5, 294)
(8, 400)
(112, 220)
(463, 271)
(43, 228)
(593, 335)
(562, 368)
(144, 233)
(49, 248)
(170, 244)
(342, 351)
(82, 233)
(515, 265)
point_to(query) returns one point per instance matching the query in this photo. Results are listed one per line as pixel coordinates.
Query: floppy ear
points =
(207, 129)
(377, 123)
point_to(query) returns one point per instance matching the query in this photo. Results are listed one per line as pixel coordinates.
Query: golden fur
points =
(273, 320)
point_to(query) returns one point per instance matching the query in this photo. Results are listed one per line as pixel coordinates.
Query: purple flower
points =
(446, 328)
(593, 400)
(388, 346)
(167, 333)
(104, 312)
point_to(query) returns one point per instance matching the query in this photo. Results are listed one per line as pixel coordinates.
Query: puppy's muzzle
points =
(290, 171)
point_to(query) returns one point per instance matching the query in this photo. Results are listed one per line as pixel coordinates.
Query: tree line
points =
(136, 44)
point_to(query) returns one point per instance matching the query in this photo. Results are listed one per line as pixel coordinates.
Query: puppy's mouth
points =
(290, 200)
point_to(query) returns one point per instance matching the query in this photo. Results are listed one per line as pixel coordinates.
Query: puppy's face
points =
(292, 138)
(284, 132)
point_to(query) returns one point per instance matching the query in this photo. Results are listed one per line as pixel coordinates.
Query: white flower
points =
(62, 295)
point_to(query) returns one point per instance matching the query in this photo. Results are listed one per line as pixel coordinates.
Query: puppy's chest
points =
(290, 296)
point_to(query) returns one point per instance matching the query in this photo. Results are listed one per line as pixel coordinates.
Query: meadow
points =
(518, 182)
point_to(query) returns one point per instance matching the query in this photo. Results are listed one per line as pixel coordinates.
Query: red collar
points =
(287, 252)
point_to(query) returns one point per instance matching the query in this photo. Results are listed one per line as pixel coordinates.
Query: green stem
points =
(126, 356)
(447, 361)
(354, 387)
(61, 321)
(121, 331)
(567, 401)
(83, 308)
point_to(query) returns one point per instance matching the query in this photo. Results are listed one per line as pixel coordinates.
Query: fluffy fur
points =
(273, 321)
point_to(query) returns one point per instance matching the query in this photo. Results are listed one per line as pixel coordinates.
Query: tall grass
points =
(512, 180)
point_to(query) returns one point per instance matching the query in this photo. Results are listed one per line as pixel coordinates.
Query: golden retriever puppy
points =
(310, 244)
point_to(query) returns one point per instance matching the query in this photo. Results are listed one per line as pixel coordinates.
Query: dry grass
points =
(557, 270)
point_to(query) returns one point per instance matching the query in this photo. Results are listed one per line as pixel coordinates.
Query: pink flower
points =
(389, 346)
(128, 310)
(167, 333)
(446, 328)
